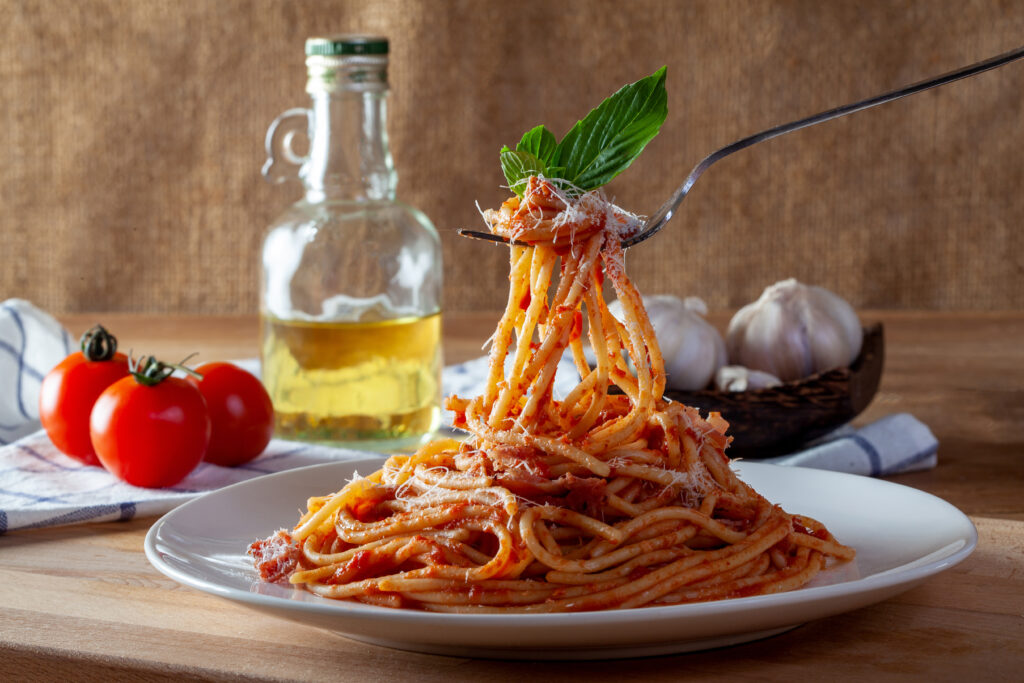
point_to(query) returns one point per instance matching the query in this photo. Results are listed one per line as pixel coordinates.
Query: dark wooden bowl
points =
(779, 420)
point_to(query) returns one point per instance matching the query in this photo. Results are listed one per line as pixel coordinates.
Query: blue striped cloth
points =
(39, 486)
(31, 343)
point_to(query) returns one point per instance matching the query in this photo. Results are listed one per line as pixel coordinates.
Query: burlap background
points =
(131, 136)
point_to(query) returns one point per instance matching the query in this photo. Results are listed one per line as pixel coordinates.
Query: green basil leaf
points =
(555, 171)
(540, 142)
(612, 135)
(518, 166)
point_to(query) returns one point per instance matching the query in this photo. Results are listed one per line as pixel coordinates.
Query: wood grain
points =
(83, 603)
(111, 612)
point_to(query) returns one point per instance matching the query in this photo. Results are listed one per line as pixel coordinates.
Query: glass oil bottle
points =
(351, 280)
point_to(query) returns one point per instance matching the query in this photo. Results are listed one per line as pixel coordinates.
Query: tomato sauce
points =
(275, 557)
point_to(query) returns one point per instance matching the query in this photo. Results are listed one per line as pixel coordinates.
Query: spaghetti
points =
(601, 499)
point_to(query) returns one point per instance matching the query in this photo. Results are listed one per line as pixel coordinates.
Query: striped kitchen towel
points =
(31, 343)
(40, 486)
(893, 444)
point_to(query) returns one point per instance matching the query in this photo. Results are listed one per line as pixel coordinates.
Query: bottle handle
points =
(279, 140)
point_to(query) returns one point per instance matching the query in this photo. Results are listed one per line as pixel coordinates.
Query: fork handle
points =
(667, 210)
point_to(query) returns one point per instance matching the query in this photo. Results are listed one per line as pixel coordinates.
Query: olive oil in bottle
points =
(350, 295)
(371, 385)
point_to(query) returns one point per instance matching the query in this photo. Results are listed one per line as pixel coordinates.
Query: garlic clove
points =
(837, 344)
(794, 330)
(692, 348)
(770, 339)
(739, 378)
(691, 366)
(695, 304)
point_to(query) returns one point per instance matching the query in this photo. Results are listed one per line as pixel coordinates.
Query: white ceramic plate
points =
(902, 536)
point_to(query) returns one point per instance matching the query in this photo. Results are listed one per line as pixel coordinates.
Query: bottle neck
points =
(349, 157)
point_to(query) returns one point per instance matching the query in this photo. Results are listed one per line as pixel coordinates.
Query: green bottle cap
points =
(346, 44)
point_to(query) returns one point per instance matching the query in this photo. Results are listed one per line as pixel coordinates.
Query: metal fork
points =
(668, 209)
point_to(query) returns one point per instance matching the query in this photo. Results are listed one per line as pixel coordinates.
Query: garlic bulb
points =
(794, 330)
(693, 349)
(739, 378)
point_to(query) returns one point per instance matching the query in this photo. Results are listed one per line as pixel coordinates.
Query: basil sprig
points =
(599, 147)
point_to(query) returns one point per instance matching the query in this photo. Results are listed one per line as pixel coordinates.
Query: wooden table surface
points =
(82, 602)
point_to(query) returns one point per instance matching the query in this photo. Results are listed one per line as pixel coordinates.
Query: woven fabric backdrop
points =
(132, 132)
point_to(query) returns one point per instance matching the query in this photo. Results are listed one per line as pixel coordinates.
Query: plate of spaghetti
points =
(902, 536)
(607, 522)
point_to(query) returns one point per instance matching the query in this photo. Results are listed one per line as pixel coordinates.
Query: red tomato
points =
(241, 412)
(150, 436)
(69, 391)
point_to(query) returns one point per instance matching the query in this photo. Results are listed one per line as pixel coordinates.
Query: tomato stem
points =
(98, 344)
(148, 371)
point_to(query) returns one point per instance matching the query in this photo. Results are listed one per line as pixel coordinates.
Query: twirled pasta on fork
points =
(608, 497)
